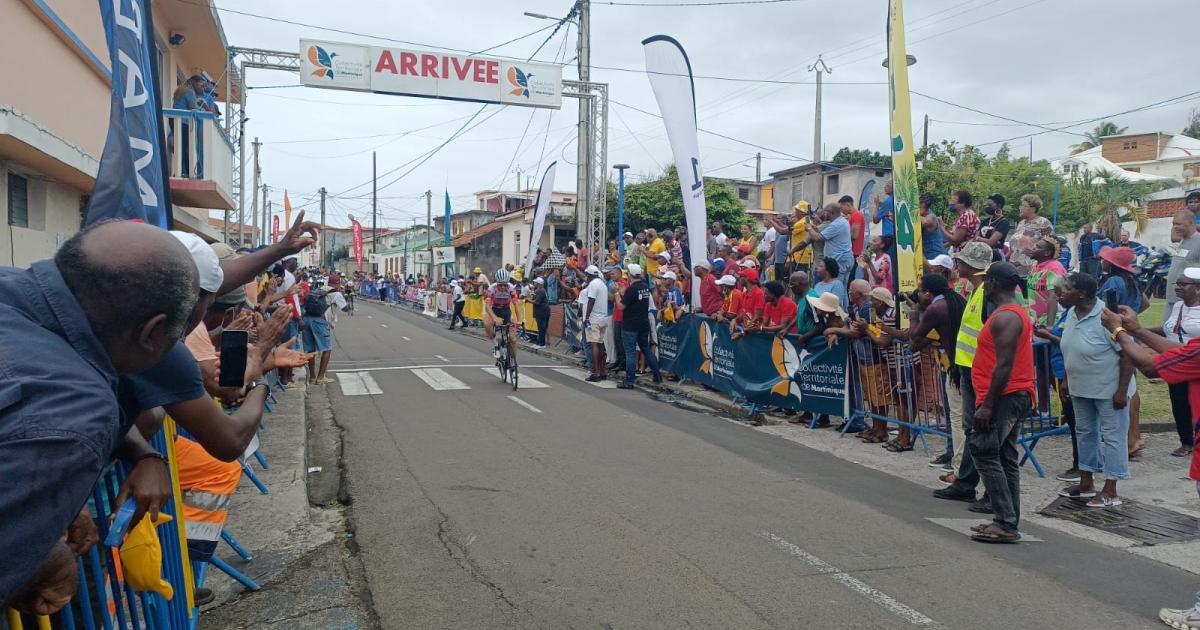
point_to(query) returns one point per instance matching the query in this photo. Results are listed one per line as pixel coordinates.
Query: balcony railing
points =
(200, 151)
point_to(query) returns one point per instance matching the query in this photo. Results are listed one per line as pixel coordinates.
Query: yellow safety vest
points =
(969, 329)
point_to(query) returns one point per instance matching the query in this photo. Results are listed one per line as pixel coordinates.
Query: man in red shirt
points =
(858, 224)
(710, 293)
(753, 299)
(1175, 363)
(1003, 378)
(779, 312)
(731, 303)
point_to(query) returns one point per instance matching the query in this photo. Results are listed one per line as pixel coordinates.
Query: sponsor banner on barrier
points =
(443, 255)
(763, 369)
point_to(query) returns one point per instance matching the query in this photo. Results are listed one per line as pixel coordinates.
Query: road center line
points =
(384, 325)
(405, 338)
(444, 359)
(525, 404)
(896, 607)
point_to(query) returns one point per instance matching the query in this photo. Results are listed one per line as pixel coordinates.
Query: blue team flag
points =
(447, 221)
(131, 183)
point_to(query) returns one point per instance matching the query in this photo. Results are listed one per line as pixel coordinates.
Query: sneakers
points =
(625, 385)
(1182, 619)
(1071, 476)
(204, 595)
(594, 378)
(1182, 451)
(658, 378)
(942, 461)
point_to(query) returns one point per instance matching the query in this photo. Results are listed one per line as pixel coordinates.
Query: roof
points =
(1177, 147)
(824, 167)
(1093, 160)
(465, 238)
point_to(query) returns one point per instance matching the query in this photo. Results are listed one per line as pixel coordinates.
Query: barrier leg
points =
(67, 618)
(237, 548)
(262, 461)
(85, 597)
(920, 435)
(234, 573)
(1028, 448)
(254, 479)
(199, 569)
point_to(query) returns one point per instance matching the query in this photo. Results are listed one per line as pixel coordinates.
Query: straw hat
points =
(827, 302)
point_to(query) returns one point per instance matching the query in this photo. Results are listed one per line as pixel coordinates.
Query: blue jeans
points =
(632, 342)
(1103, 436)
(587, 350)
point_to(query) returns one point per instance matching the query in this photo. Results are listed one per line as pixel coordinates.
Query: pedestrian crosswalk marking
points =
(581, 375)
(526, 381)
(358, 384)
(439, 379)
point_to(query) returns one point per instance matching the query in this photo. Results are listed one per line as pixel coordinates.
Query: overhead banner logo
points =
(430, 75)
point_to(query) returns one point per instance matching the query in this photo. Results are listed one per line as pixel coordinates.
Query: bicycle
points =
(506, 363)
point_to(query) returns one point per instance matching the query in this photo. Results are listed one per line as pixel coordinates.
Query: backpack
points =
(315, 304)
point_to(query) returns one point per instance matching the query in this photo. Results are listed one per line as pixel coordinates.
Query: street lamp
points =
(910, 60)
(538, 16)
(621, 206)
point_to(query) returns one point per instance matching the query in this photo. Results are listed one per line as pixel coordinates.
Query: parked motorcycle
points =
(1151, 271)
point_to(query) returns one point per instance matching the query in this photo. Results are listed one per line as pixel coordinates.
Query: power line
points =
(980, 111)
(1163, 103)
(714, 3)
(719, 135)
(462, 130)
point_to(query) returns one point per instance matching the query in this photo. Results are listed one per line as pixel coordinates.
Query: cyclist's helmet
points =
(502, 275)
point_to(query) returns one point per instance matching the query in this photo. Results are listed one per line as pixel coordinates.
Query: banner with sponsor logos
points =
(443, 75)
(909, 254)
(763, 369)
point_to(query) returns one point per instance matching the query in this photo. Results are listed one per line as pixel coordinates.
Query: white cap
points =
(941, 260)
(629, 234)
(1192, 273)
(635, 270)
(664, 254)
(667, 275)
(727, 281)
(539, 280)
(207, 265)
(592, 270)
(747, 263)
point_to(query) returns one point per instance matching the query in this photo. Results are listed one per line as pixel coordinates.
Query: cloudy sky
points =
(1040, 61)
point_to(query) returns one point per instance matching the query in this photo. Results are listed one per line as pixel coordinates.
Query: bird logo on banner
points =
(323, 60)
(787, 362)
(520, 81)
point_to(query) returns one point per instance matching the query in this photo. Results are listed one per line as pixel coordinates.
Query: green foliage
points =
(1092, 138)
(1192, 130)
(659, 204)
(861, 157)
(1085, 198)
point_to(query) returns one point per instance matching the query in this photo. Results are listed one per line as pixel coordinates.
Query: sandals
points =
(1073, 492)
(896, 447)
(1104, 502)
(994, 534)
(871, 439)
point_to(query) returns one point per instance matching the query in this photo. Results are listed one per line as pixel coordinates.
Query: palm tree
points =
(1107, 198)
(1092, 138)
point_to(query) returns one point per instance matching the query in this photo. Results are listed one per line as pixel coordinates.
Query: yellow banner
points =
(910, 259)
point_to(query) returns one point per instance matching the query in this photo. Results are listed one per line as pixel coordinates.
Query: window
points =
(18, 200)
(797, 192)
(1134, 169)
(744, 194)
(1129, 144)
(831, 185)
(517, 245)
(1191, 169)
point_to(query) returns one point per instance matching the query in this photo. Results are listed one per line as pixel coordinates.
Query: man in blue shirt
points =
(115, 299)
(834, 231)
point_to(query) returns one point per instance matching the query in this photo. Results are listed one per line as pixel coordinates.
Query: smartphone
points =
(233, 358)
(1110, 300)
(122, 521)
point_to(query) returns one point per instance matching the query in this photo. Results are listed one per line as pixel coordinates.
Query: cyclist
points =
(499, 298)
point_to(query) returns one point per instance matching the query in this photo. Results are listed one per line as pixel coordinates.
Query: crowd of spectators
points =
(97, 347)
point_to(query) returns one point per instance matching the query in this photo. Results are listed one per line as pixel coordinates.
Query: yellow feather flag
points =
(910, 258)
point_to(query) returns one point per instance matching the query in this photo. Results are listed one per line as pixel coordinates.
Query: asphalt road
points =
(576, 506)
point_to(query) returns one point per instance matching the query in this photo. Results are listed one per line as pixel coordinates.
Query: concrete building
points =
(462, 222)
(503, 201)
(820, 183)
(516, 225)
(54, 118)
(756, 197)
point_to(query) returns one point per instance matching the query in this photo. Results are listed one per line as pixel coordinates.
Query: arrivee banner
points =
(670, 75)
(427, 74)
(545, 193)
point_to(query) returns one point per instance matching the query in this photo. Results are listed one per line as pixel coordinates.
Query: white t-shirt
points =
(598, 291)
(1183, 323)
(765, 244)
(458, 294)
(288, 280)
(721, 238)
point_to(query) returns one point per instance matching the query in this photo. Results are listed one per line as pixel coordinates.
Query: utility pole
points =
(925, 133)
(374, 208)
(583, 188)
(266, 214)
(253, 197)
(820, 67)
(322, 234)
(758, 168)
(429, 224)
(518, 179)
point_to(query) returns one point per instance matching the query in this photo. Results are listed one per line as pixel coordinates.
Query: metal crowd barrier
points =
(909, 389)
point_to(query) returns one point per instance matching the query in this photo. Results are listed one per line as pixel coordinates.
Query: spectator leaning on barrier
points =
(731, 304)
(969, 264)
(115, 299)
(1177, 364)
(779, 313)
(753, 302)
(710, 293)
(1003, 378)
(873, 354)
(827, 272)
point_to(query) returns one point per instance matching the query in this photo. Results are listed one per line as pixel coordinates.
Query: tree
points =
(947, 167)
(659, 204)
(1092, 138)
(1192, 130)
(861, 157)
(1108, 199)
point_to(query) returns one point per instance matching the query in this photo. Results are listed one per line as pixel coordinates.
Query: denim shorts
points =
(316, 335)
